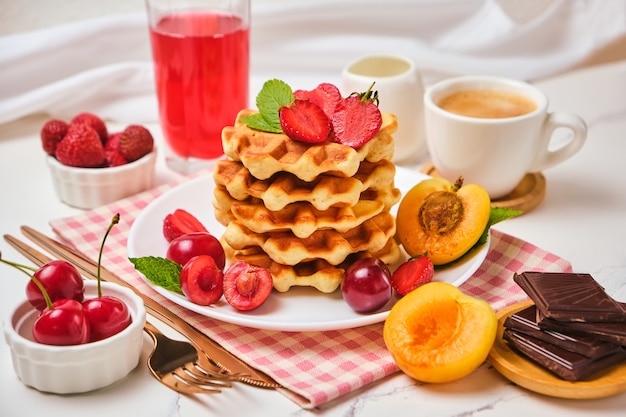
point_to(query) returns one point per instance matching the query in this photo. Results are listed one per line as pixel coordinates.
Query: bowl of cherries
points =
(71, 336)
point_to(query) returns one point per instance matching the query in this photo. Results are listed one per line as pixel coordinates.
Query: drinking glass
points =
(200, 50)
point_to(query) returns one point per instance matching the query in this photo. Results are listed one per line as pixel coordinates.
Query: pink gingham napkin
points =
(314, 367)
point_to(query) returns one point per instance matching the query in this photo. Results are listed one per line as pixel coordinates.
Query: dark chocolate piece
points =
(609, 332)
(524, 321)
(570, 297)
(567, 365)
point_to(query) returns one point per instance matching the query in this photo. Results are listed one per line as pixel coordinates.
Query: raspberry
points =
(51, 134)
(94, 122)
(81, 147)
(135, 142)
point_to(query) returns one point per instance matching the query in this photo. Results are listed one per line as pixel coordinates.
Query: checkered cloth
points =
(314, 367)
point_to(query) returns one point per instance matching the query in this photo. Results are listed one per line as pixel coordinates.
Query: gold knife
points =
(216, 352)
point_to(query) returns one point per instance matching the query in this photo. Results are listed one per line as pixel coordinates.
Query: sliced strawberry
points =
(325, 95)
(357, 118)
(305, 121)
(181, 222)
(412, 274)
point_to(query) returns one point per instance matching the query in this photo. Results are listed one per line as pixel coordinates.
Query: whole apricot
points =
(441, 219)
(438, 334)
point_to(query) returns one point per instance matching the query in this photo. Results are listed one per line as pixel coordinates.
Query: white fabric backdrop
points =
(103, 65)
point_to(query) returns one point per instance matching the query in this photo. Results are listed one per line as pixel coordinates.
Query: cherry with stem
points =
(62, 322)
(107, 315)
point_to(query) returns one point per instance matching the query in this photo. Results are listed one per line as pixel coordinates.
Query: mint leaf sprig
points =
(159, 271)
(497, 215)
(274, 95)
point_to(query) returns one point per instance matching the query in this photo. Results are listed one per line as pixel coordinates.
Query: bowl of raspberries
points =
(91, 166)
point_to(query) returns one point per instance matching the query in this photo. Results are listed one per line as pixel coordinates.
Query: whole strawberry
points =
(113, 142)
(412, 274)
(51, 134)
(135, 142)
(81, 147)
(94, 122)
(112, 151)
(304, 121)
(357, 118)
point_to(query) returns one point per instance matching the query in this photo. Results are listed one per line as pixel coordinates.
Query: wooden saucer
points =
(528, 194)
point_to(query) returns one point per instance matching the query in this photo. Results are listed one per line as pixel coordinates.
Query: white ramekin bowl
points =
(79, 368)
(88, 188)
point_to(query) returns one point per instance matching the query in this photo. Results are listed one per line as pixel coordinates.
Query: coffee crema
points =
(487, 104)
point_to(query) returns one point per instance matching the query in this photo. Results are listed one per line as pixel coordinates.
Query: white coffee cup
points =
(495, 152)
(400, 91)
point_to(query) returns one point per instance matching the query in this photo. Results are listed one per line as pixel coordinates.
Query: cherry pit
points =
(56, 290)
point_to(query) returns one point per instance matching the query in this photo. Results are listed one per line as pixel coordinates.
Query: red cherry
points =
(185, 247)
(247, 286)
(366, 285)
(60, 279)
(201, 280)
(62, 325)
(107, 315)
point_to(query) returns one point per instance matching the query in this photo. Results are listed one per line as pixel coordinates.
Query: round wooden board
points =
(528, 194)
(533, 377)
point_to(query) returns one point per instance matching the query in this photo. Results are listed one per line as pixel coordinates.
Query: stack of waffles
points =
(304, 211)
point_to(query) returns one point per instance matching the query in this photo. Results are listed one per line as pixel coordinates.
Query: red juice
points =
(201, 69)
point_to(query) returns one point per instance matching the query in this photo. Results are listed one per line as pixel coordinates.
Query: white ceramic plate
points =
(299, 309)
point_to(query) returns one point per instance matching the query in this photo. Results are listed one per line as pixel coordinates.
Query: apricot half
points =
(437, 333)
(441, 219)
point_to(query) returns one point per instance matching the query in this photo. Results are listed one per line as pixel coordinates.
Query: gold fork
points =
(178, 365)
(174, 363)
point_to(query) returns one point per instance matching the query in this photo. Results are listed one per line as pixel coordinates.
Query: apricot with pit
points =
(442, 220)
(438, 334)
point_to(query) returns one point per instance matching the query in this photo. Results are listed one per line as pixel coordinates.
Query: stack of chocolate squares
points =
(574, 329)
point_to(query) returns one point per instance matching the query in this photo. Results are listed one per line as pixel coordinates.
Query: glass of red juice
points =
(201, 54)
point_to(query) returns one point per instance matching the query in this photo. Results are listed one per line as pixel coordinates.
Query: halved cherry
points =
(247, 286)
(201, 280)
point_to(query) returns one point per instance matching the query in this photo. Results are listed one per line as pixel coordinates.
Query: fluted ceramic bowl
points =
(79, 368)
(88, 188)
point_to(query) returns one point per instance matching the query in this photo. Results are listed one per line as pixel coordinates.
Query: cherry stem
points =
(115, 220)
(25, 269)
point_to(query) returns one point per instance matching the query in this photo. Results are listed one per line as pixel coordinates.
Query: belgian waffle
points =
(303, 211)
(302, 218)
(265, 154)
(329, 245)
(317, 273)
(323, 192)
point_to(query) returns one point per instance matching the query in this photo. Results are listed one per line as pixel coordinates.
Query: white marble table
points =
(582, 220)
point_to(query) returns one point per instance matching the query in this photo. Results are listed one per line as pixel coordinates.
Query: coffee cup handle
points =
(547, 157)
